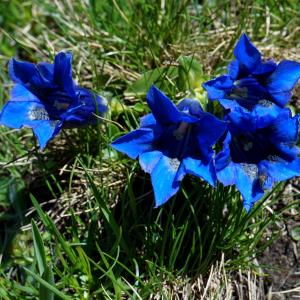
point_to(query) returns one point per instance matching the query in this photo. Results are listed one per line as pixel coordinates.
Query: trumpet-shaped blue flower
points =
(257, 87)
(172, 142)
(45, 98)
(254, 158)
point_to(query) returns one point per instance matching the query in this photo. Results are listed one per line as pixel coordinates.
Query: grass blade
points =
(39, 248)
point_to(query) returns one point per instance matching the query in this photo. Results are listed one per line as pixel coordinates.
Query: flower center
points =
(61, 105)
(180, 132)
(38, 113)
(251, 148)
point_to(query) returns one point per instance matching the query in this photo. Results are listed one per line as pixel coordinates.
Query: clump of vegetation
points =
(78, 219)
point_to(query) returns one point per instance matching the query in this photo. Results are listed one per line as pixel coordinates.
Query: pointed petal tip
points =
(163, 109)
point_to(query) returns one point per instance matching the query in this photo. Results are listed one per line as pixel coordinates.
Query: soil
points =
(281, 261)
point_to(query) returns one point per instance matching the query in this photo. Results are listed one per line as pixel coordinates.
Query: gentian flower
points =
(172, 142)
(254, 158)
(45, 98)
(255, 87)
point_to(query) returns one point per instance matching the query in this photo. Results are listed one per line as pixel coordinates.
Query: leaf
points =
(143, 84)
(39, 248)
(295, 233)
(49, 286)
(52, 228)
(190, 72)
(45, 292)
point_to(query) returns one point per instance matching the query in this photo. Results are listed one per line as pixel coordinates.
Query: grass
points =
(77, 220)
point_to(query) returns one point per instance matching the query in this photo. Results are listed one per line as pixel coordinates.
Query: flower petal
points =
(285, 128)
(46, 131)
(63, 72)
(190, 106)
(223, 158)
(162, 107)
(208, 130)
(264, 69)
(245, 178)
(283, 80)
(262, 115)
(246, 54)
(219, 87)
(16, 114)
(135, 142)
(198, 168)
(147, 120)
(250, 91)
(32, 76)
(164, 179)
(284, 134)
(280, 170)
(148, 160)
(21, 93)
(233, 69)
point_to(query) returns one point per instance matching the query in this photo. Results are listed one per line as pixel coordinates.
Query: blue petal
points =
(46, 70)
(20, 93)
(198, 168)
(135, 142)
(164, 179)
(284, 134)
(148, 160)
(283, 80)
(226, 175)
(83, 111)
(208, 131)
(245, 178)
(29, 75)
(46, 131)
(162, 107)
(249, 90)
(264, 69)
(247, 54)
(261, 116)
(229, 104)
(218, 87)
(147, 120)
(265, 112)
(280, 170)
(223, 158)
(16, 114)
(285, 127)
(190, 106)
(233, 69)
(90, 100)
(63, 72)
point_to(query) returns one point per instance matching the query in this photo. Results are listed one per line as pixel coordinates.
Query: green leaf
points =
(142, 85)
(39, 248)
(47, 285)
(190, 72)
(52, 228)
(45, 292)
(295, 233)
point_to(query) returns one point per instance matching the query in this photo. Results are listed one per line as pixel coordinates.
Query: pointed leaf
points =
(49, 286)
(39, 249)
(45, 292)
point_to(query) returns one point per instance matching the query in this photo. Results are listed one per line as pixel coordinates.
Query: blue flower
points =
(45, 98)
(255, 86)
(254, 158)
(172, 142)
